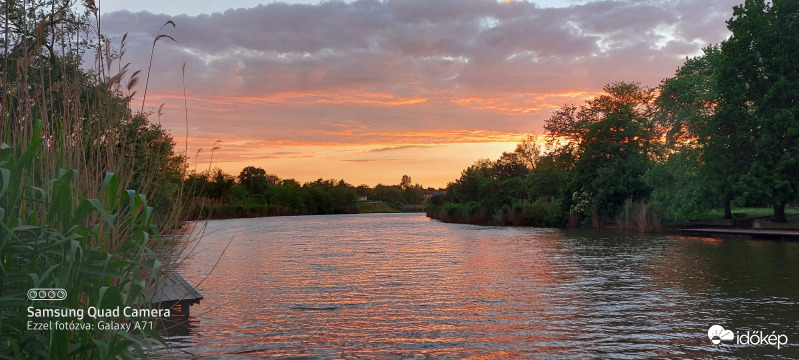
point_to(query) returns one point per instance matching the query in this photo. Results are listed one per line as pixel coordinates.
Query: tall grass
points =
(49, 238)
(639, 215)
(72, 150)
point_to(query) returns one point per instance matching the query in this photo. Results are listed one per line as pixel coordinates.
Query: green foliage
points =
(99, 251)
(612, 139)
(254, 180)
(155, 164)
(679, 189)
(687, 101)
(544, 212)
(220, 185)
(506, 191)
(759, 82)
(60, 228)
(474, 183)
(260, 194)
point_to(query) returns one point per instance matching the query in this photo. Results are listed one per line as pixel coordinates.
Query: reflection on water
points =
(404, 286)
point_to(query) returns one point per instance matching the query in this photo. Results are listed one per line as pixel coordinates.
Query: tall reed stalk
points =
(639, 216)
(71, 150)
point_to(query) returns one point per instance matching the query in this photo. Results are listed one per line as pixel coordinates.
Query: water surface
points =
(402, 286)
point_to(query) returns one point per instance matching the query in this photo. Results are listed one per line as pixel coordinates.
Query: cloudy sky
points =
(371, 90)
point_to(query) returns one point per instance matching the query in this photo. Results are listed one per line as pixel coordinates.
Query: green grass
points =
(746, 213)
(375, 207)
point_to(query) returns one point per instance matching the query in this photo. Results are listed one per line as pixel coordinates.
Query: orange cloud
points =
(522, 103)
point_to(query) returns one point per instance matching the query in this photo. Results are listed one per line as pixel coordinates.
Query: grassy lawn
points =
(375, 207)
(747, 212)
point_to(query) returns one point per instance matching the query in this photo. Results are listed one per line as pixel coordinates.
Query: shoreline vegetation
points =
(722, 133)
(254, 193)
(228, 211)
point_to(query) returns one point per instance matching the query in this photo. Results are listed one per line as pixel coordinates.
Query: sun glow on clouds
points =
(370, 90)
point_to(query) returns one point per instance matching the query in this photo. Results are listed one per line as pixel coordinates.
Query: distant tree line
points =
(254, 192)
(722, 132)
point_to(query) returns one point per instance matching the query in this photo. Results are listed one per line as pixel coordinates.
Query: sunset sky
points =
(371, 90)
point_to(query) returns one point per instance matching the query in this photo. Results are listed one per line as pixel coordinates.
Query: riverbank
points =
(541, 213)
(236, 211)
(545, 214)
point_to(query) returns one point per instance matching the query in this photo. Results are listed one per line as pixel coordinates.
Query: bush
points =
(540, 213)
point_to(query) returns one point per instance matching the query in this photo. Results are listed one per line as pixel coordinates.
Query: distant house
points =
(362, 198)
(430, 193)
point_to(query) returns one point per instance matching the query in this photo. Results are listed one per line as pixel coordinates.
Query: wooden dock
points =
(774, 234)
(176, 294)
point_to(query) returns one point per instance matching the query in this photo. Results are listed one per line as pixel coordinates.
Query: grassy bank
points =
(368, 207)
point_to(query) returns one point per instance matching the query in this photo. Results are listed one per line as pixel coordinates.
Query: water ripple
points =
(400, 286)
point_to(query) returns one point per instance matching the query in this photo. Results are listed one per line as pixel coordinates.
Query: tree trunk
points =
(779, 213)
(728, 209)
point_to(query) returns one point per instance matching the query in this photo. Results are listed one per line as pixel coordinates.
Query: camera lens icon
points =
(47, 294)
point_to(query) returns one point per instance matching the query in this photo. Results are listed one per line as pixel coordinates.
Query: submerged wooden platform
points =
(777, 234)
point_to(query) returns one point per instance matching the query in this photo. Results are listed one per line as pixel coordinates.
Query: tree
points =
(363, 190)
(388, 193)
(709, 148)
(254, 180)
(528, 151)
(508, 166)
(220, 184)
(612, 135)
(290, 195)
(548, 178)
(759, 82)
(155, 167)
(405, 183)
(688, 101)
(474, 183)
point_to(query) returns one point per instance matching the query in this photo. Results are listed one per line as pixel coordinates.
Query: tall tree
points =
(529, 151)
(253, 179)
(706, 158)
(759, 82)
(612, 138)
(406, 182)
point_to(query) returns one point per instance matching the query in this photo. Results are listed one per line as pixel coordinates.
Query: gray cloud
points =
(402, 65)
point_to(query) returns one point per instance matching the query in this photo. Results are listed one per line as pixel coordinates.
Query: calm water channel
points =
(397, 286)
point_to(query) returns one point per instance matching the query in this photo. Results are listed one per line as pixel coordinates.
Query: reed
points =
(639, 215)
(51, 238)
(72, 149)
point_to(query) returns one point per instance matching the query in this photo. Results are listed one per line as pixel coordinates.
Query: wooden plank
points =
(175, 288)
(754, 233)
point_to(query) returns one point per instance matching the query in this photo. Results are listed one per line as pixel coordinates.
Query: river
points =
(402, 286)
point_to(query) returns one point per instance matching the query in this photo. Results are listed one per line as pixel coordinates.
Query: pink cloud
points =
(404, 72)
